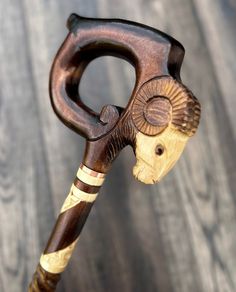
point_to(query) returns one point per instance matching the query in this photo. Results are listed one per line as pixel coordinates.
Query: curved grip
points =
(148, 50)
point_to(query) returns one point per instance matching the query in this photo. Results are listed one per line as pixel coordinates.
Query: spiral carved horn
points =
(165, 114)
(164, 101)
(90, 38)
(157, 122)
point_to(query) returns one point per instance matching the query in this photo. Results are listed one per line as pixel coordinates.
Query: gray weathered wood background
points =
(177, 236)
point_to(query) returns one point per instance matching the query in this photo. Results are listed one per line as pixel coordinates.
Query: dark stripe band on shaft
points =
(70, 222)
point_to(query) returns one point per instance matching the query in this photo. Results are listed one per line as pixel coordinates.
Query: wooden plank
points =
(176, 236)
(205, 203)
(218, 28)
(24, 168)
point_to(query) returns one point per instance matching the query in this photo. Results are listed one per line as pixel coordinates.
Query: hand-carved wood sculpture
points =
(159, 119)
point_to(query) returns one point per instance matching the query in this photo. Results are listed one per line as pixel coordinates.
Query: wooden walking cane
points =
(157, 122)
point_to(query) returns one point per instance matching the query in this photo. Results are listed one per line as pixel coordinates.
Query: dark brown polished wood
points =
(44, 281)
(68, 227)
(65, 232)
(150, 51)
(157, 59)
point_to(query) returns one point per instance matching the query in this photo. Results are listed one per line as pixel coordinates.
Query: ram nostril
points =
(159, 150)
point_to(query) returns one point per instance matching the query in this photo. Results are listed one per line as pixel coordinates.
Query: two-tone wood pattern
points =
(175, 236)
(162, 101)
(158, 99)
(43, 281)
(166, 114)
(66, 231)
(160, 116)
(162, 109)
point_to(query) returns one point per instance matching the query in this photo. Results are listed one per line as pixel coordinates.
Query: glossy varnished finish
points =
(64, 236)
(44, 281)
(69, 226)
(175, 236)
(67, 229)
(159, 106)
(154, 54)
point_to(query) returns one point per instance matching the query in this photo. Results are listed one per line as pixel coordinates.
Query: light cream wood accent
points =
(92, 172)
(56, 262)
(194, 218)
(87, 176)
(151, 168)
(75, 197)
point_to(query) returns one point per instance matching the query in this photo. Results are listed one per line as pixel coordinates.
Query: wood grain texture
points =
(176, 236)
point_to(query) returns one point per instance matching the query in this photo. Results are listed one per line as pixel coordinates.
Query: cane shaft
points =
(65, 234)
(158, 120)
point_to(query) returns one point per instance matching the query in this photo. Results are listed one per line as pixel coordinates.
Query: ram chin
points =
(144, 174)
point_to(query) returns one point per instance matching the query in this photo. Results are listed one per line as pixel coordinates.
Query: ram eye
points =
(159, 150)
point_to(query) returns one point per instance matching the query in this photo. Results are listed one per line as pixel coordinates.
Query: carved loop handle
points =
(159, 119)
(150, 51)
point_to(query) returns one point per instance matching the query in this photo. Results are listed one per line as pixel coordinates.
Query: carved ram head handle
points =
(161, 114)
